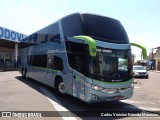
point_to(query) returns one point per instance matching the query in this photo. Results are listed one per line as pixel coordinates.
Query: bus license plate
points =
(117, 97)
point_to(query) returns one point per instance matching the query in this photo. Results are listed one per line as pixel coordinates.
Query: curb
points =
(157, 71)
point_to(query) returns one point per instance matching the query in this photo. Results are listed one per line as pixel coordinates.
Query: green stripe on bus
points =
(91, 42)
(46, 69)
(112, 82)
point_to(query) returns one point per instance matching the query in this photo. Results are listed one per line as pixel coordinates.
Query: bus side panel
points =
(78, 85)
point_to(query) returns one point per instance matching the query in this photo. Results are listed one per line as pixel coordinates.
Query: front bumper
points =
(94, 96)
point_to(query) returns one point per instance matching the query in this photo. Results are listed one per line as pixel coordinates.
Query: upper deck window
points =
(104, 28)
(97, 27)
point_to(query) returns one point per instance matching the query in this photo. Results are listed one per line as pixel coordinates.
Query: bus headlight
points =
(97, 87)
(87, 84)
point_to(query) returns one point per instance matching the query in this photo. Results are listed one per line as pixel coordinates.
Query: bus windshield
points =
(111, 65)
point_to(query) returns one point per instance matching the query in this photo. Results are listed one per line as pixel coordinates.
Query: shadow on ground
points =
(83, 110)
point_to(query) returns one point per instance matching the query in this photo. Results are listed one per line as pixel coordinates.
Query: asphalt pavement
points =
(18, 94)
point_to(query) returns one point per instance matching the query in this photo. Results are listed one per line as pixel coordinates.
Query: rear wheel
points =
(24, 73)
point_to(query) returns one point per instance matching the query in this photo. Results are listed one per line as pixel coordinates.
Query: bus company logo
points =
(93, 50)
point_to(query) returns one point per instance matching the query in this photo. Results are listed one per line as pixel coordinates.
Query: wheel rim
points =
(61, 88)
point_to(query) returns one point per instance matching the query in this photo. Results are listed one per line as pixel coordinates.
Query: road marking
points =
(136, 87)
(138, 102)
(149, 108)
(56, 104)
(130, 101)
(140, 107)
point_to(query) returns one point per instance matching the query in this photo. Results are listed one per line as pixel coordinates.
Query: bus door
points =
(78, 77)
(78, 85)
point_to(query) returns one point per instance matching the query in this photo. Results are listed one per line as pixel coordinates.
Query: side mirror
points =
(91, 42)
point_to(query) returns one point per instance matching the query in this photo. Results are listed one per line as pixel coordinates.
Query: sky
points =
(140, 18)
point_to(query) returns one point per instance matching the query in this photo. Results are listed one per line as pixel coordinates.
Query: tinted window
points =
(138, 68)
(103, 28)
(47, 34)
(111, 65)
(72, 25)
(77, 56)
(29, 59)
(37, 60)
(58, 63)
(53, 33)
(50, 61)
(98, 27)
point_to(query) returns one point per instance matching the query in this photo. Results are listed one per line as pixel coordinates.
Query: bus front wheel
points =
(60, 87)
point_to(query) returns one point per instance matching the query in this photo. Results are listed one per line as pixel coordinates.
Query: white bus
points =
(85, 55)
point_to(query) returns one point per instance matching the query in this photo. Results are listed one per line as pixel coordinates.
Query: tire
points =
(60, 87)
(24, 73)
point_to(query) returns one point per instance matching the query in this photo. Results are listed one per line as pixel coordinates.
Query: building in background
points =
(154, 57)
(9, 41)
(157, 59)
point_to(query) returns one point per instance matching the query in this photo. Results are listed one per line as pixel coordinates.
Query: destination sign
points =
(104, 50)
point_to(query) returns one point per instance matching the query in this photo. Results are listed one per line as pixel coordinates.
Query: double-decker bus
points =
(84, 55)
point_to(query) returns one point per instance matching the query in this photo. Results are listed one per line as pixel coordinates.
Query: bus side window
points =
(38, 60)
(50, 59)
(58, 63)
(49, 63)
